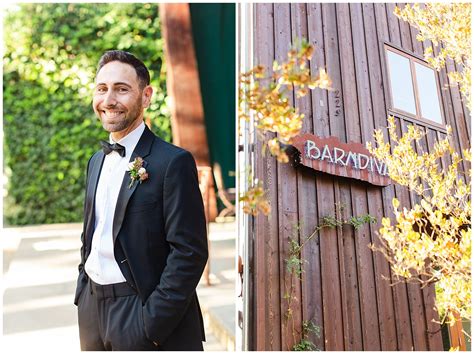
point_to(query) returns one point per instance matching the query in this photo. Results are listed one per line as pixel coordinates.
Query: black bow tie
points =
(107, 148)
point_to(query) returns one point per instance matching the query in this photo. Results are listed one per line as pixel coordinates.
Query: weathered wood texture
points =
(344, 289)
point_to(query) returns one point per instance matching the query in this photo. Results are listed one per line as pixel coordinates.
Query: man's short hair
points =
(127, 58)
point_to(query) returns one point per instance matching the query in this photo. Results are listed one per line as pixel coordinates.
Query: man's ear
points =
(146, 96)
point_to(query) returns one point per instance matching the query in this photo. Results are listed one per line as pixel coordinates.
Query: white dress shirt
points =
(101, 265)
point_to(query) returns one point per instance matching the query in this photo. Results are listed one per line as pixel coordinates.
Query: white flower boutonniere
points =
(137, 171)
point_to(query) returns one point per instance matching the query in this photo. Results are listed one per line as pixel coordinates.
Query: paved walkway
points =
(39, 273)
(218, 300)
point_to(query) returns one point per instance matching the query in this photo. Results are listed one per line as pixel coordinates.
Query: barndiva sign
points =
(330, 155)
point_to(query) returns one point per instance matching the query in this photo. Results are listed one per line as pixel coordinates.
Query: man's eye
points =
(101, 89)
(123, 89)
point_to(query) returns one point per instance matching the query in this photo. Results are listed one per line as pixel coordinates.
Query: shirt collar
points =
(130, 140)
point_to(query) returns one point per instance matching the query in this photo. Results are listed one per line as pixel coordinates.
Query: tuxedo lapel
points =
(90, 195)
(141, 150)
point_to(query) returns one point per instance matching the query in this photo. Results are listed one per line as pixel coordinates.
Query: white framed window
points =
(414, 88)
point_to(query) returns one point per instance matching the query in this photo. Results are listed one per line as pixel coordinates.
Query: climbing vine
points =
(295, 267)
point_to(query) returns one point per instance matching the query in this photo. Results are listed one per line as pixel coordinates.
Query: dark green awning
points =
(214, 42)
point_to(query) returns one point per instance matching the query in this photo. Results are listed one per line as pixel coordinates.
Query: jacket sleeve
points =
(186, 234)
(81, 279)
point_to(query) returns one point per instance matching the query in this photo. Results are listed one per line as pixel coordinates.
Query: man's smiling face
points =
(118, 99)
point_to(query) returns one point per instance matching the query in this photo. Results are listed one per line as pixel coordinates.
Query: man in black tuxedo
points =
(144, 242)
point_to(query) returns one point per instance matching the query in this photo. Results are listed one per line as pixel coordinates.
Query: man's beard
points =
(124, 123)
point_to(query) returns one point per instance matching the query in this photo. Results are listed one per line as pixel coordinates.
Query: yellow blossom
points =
(432, 241)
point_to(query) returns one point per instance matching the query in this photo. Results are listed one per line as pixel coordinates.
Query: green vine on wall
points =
(305, 344)
(294, 266)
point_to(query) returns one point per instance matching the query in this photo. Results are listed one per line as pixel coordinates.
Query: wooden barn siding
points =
(342, 289)
(266, 286)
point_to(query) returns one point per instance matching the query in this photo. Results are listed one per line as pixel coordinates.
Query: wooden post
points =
(205, 178)
(456, 335)
(182, 81)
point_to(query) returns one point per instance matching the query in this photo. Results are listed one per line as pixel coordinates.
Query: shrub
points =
(50, 58)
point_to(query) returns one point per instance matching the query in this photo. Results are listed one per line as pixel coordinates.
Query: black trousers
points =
(111, 318)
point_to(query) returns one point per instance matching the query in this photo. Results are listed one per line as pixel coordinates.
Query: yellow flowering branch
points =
(266, 96)
(254, 200)
(430, 243)
(447, 25)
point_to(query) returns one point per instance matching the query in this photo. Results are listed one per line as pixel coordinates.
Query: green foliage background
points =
(50, 130)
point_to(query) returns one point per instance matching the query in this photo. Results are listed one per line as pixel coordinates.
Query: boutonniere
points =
(137, 171)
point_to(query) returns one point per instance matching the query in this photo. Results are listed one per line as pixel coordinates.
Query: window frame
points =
(412, 58)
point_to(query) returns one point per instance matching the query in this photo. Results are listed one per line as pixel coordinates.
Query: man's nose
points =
(109, 99)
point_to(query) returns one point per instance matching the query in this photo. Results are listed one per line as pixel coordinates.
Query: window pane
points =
(401, 83)
(428, 92)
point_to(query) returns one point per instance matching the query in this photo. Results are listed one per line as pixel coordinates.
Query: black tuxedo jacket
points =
(160, 240)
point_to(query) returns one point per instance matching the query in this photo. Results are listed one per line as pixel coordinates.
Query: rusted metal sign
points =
(330, 155)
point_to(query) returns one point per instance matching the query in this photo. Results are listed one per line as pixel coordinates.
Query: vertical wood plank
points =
(467, 114)
(417, 300)
(392, 22)
(451, 108)
(386, 24)
(447, 109)
(459, 127)
(307, 206)
(405, 34)
(318, 97)
(267, 255)
(388, 332)
(368, 295)
(415, 43)
(353, 323)
(435, 339)
(287, 202)
(337, 128)
(382, 32)
(418, 326)
(313, 291)
(415, 296)
(332, 312)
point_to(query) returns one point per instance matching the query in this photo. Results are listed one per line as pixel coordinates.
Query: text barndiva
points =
(350, 160)
(344, 158)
